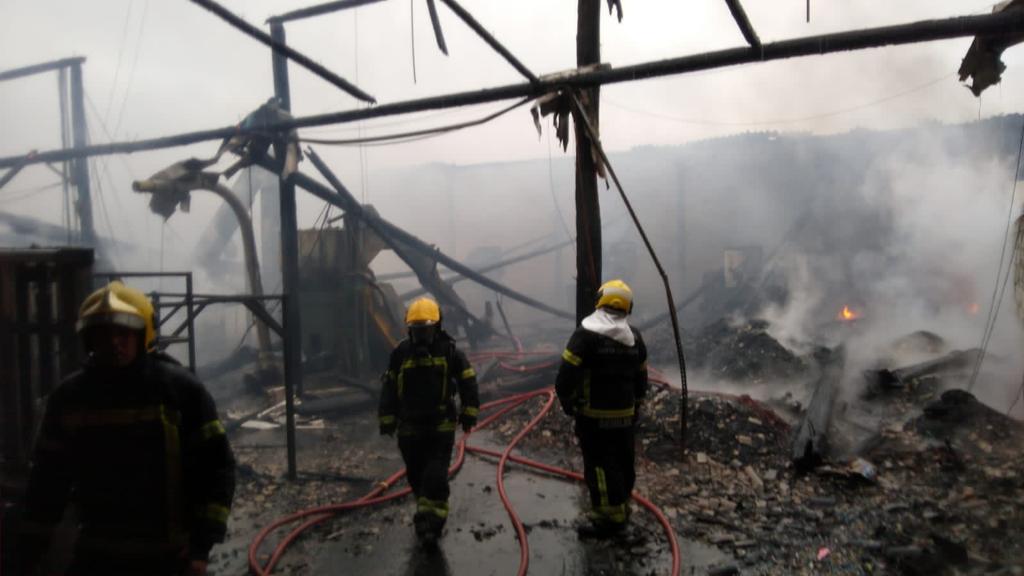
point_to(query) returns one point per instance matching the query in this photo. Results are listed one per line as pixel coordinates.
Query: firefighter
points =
(417, 401)
(601, 382)
(134, 440)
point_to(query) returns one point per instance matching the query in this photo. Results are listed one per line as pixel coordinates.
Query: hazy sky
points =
(161, 67)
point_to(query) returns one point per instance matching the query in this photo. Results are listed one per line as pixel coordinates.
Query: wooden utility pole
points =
(588, 209)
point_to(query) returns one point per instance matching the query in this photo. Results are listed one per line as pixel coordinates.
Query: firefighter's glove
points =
(388, 429)
(467, 422)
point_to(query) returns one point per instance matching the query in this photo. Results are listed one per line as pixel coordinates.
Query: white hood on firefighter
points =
(610, 324)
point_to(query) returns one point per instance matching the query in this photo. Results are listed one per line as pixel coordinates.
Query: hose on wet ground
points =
(317, 515)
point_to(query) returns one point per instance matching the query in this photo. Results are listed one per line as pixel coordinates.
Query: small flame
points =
(973, 308)
(846, 314)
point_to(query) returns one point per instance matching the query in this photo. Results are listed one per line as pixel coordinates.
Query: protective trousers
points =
(608, 469)
(426, 455)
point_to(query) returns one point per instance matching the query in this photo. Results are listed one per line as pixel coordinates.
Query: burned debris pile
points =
(939, 494)
(727, 350)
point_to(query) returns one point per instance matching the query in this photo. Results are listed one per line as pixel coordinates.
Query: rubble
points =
(902, 508)
(810, 442)
(937, 493)
(909, 377)
(744, 352)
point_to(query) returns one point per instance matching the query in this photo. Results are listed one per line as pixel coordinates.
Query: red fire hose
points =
(320, 514)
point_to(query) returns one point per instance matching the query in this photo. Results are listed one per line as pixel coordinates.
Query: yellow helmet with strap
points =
(423, 311)
(615, 294)
(118, 305)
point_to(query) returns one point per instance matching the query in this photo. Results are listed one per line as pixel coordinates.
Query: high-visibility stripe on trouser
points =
(602, 485)
(438, 508)
(613, 514)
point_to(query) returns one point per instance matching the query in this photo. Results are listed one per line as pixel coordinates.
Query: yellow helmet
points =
(615, 294)
(118, 305)
(423, 311)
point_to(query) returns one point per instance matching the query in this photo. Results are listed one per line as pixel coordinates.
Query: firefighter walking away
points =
(601, 382)
(417, 401)
(134, 440)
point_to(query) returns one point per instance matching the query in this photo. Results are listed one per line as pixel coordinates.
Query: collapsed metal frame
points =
(1007, 22)
(1003, 23)
(157, 297)
(80, 167)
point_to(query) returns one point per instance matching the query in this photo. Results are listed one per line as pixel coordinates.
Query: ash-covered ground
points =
(917, 478)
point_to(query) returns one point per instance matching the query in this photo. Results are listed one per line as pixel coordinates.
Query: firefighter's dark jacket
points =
(419, 387)
(602, 378)
(142, 452)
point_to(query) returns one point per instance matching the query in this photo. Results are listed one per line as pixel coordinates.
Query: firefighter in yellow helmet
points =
(601, 382)
(423, 368)
(136, 439)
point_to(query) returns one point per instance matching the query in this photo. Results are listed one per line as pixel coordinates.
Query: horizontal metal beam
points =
(490, 267)
(318, 10)
(283, 49)
(929, 30)
(40, 68)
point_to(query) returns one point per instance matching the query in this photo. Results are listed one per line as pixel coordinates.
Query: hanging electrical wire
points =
(16, 195)
(595, 140)
(120, 55)
(115, 255)
(554, 198)
(414, 135)
(778, 121)
(999, 289)
(131, 72)
(412, 36)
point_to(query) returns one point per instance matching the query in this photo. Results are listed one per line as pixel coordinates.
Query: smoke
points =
(915, 247)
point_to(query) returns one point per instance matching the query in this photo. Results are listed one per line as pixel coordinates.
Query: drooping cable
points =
(596, 142)
(408, 136)
(999, 287)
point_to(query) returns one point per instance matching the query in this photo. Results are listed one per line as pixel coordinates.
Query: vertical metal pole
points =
(44, 318)
(65, 142)
(588, 210)
(158, 322)
(189, 311)
(81, 165)
(26, 401)
(289, 263)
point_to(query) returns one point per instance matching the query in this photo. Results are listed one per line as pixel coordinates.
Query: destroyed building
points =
(834, 362)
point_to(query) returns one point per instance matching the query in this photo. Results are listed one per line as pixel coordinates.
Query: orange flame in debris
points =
(846, 314)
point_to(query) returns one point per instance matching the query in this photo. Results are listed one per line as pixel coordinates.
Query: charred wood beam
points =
(491, 267)
(683, 390)
(318, 10)
(740, 16)
(928, 30)
(810, 443)
(491, 40)
(898, 378)
(40, 68)
(285, 50)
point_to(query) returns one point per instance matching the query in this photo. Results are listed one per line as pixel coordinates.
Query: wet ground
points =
(478, 539)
